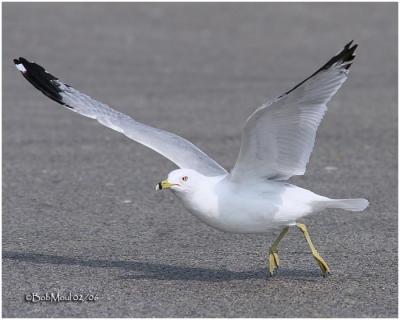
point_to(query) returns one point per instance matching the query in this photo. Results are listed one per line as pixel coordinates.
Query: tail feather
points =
(346, 204)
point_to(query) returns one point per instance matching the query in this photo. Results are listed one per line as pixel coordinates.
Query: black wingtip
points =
(346, 56)
(21, 60)
(349, 44)
(39, 78)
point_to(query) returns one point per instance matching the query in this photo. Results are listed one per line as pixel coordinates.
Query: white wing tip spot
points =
(20, 67)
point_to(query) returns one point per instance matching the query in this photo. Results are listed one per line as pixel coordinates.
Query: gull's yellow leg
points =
(273, 252)
(322, 264)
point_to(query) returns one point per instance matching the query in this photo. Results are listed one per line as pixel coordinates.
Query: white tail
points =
(346, 204)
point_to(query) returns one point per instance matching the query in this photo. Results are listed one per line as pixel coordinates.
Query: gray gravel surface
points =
(80, 213)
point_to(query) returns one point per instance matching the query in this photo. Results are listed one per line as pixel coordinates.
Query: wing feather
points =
(278, 137)
(177, 149)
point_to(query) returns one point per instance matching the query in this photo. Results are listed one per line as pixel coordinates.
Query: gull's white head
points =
(182, 181)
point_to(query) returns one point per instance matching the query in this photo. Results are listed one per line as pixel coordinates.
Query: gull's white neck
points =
(203, 200)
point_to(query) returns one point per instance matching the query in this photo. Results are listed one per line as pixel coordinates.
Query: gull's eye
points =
(185, 178)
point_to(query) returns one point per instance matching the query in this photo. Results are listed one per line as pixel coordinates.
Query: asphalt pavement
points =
(80, 213)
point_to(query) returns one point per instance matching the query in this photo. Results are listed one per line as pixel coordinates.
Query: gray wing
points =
(180, 151)
(278, 137)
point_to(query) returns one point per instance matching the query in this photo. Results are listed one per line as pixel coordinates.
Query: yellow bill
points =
(163, 185)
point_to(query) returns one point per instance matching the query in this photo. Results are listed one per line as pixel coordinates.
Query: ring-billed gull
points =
(277, 141)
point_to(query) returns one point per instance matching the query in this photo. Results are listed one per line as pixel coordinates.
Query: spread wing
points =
(278, 137)
(180, 151)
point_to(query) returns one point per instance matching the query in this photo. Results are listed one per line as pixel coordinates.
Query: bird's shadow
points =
(149, 270)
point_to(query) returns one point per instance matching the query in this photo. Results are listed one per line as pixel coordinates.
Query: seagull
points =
(276, 143)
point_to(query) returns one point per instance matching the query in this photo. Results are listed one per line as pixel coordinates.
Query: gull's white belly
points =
(238, 211)
(246, 216)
